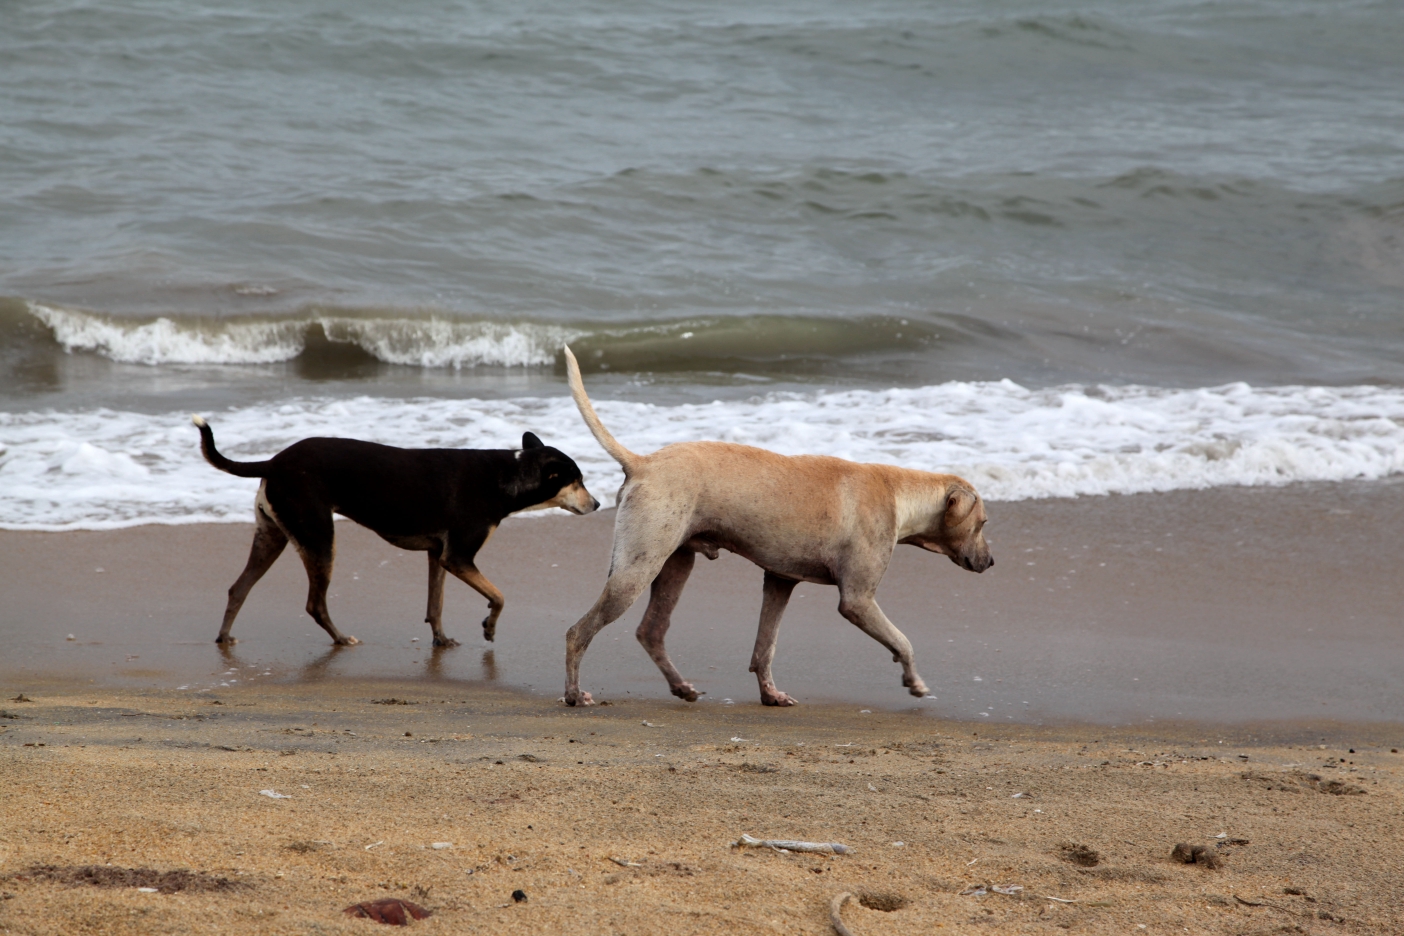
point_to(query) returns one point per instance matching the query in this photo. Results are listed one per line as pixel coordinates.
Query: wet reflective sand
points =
(1234, 605)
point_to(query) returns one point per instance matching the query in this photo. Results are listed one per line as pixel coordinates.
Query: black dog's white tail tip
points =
(198, 420)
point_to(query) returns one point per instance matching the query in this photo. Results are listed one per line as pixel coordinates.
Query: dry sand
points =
(537, 798)
(1267, 621)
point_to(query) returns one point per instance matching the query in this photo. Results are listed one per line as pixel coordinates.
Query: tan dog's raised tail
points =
(809, 518)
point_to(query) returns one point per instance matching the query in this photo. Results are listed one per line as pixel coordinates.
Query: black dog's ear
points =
(530, 441)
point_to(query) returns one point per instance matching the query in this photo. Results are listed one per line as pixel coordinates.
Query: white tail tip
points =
(198, 420)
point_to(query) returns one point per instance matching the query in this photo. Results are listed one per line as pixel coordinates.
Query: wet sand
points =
(1216, 668)
(1230, 605)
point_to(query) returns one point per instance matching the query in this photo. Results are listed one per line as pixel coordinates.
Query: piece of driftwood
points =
(823, 848)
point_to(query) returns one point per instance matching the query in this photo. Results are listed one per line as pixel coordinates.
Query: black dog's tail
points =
(207, 446)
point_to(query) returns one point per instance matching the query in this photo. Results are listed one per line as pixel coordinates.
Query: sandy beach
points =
(1228, 605)
(288, 804)
(1213, 668)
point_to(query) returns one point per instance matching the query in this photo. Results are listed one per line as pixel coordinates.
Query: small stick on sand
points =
(826, 848)
(836, 913)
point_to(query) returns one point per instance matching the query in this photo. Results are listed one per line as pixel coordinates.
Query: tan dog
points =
(809, 518)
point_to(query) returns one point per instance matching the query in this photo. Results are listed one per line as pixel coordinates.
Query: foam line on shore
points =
(105, 469)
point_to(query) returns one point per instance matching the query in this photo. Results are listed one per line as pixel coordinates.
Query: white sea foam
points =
(422, 342)
(103, 469)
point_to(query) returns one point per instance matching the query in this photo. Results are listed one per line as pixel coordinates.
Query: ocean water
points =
(1062, 249)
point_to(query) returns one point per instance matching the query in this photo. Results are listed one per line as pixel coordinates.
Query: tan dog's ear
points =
(959, 503)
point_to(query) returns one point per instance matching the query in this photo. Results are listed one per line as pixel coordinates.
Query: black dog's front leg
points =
(479, 582)
(434, 616)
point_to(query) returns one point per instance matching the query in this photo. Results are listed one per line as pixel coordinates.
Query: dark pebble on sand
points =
(392, 911)
(1196, 854)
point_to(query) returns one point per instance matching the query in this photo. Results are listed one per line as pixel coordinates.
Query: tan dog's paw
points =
(777, 698)
(578, 698)
(445, 642)
(687, 692)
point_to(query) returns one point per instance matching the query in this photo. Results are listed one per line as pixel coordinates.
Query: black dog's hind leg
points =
(268, 544)
(309, 527)
(318, 563)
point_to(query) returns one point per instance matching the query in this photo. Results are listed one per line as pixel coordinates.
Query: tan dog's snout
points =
(975, 556)
(965, 522)
(575, 498)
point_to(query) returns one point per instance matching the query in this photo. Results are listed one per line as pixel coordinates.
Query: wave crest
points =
(420, 342)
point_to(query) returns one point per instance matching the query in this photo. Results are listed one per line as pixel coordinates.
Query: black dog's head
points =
(548, 477)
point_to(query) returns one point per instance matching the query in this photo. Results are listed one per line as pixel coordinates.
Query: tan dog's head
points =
(958, 529)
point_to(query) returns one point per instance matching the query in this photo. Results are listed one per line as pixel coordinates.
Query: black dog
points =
(445, 501)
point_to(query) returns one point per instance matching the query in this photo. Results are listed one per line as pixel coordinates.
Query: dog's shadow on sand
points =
(230, 658)
(318, 669)
(312, 671)
(434, 665)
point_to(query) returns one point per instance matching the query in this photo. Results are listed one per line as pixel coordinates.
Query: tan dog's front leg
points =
(777, 595)
(863, 610)
(667, 589)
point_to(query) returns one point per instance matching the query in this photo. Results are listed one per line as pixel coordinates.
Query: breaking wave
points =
(424, 342)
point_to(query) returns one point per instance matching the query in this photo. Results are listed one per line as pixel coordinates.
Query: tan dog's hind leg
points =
(268, 544)
(621, 591)
(641, 548)
(862, 609)
(434, 615)
(667, 589)
(480, 584)
(777, 596)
